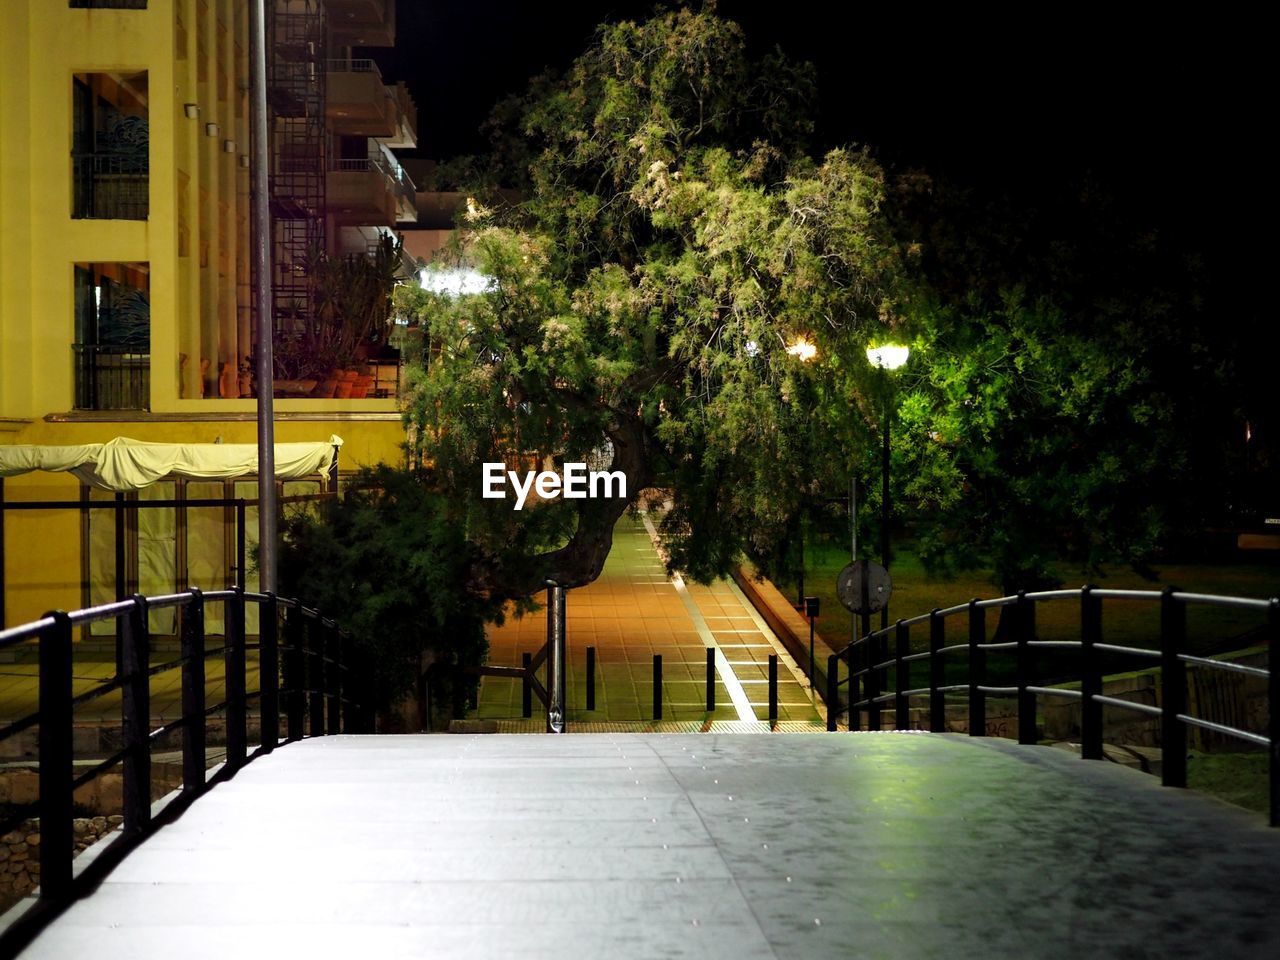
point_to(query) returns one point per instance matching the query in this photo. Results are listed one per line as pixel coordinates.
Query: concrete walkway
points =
(633, 611)
(811, 845)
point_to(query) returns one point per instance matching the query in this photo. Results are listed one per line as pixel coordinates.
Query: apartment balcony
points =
(358, 103)
(362, 23)
(361, 192)
(406, 135)
(109, 186)
(112, 377)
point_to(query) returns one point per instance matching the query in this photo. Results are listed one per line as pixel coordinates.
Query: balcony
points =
(358, 103)
(362, 23)
(111, 377)
(406, 135)
(361, 192)
(109, 187)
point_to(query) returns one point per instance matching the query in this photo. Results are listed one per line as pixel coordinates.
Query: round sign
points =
(864, 587)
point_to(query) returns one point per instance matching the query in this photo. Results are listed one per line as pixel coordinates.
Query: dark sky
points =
(1166, 114)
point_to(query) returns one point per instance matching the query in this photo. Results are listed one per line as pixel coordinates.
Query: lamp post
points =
(804, 350)
(890, 358)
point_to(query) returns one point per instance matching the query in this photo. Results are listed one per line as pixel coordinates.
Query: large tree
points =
(675, 240)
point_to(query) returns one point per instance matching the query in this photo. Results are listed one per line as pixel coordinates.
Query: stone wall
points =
(20, 854)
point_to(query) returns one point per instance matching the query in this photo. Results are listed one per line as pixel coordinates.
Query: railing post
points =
(901, 677)
(711, 680)
(293, 673)
(526, 693)
(135, 716)
(193, 718)
(233, 664)
(333, 670)
(1025, 628)
(54, 740)
(874, 646)
(269, 672)
(657, 686)
(977, 670)
(315, 675)
(855, 687)
(1173, 690)
(937, 673)
(591, 678)
(1090, 675)
(773, 690)
(1273, 701)
(833, 691)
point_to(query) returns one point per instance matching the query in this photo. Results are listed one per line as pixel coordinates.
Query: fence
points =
(317, 697)
(869, 663)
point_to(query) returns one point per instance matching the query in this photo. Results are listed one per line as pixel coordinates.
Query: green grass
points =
(1209, 629)
(1239, 778)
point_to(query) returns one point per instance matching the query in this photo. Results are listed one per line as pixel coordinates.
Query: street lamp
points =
(887, 357)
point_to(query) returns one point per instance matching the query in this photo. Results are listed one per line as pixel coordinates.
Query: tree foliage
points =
(676, 239)
(389, 553)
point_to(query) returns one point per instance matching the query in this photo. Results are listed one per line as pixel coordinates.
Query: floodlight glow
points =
(456, 283)
(802, 348)
(888, 357)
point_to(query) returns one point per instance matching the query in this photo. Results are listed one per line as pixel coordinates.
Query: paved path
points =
(810, 845)
(633, 611)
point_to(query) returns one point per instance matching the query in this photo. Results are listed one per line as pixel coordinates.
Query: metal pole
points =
(555, 658)
(267, 502)
(591, 678)
(884, 507)
(3, 622)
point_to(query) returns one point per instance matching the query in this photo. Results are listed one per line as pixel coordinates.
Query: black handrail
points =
(323, 681)
(868, 663)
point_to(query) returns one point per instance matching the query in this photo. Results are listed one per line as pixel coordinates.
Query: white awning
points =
(123, 464)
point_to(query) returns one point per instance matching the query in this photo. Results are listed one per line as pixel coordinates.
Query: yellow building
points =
(125, 287)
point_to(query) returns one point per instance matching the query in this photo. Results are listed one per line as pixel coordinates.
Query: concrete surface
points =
(806, 845)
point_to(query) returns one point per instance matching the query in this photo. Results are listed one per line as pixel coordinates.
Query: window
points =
(112, 349)
(110, 146)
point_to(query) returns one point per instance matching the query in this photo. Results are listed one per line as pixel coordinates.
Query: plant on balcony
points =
(350, 315)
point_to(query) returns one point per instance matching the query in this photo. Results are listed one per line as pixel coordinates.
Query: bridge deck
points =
(863, 845)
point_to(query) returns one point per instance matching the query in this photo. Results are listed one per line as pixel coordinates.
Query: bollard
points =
(773, 690)
(556, 708)
(711, 680)
(591, 678)
(526, 694)
(833, 691)
(657, 686)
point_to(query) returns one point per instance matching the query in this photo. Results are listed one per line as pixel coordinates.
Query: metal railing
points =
(110, 186)
(109, 4)
(352, 65)
(112, 377)
(316, 697)
(870, 661)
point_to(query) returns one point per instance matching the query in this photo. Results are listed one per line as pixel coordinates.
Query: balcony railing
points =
(353, 65)
(109, 4)
(111, 377)
(110, 187)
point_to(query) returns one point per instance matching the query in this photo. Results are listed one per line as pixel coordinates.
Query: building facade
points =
(125, 270)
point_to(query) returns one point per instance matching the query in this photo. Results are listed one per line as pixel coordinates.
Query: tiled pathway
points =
(634, 611)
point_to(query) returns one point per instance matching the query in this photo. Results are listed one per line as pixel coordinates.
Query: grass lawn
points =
(1239, 778)
(1209, 630)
